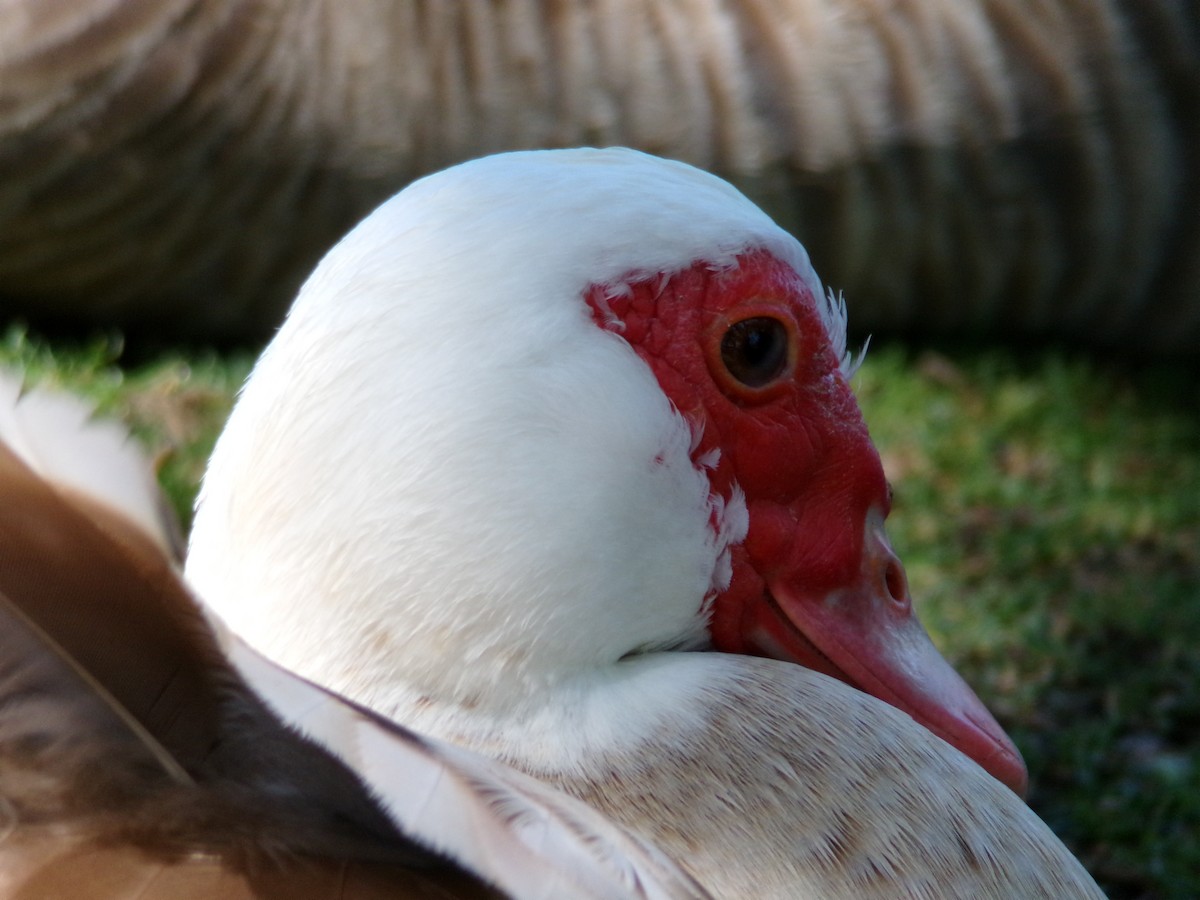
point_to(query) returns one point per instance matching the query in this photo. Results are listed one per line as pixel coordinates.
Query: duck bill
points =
(867, 635)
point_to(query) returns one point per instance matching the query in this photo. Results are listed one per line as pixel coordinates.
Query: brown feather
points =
(131, 757)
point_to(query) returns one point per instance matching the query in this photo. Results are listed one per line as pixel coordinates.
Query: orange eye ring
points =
(752, 353)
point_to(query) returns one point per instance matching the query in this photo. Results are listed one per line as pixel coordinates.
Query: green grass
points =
(1048, 510)
(175, 403)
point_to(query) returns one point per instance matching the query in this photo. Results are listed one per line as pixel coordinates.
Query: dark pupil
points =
(755, 350)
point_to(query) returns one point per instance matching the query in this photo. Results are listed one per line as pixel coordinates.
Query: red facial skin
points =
(815, 582)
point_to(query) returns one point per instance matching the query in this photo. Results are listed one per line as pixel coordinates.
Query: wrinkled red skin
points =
(815, 581)
(797, 448)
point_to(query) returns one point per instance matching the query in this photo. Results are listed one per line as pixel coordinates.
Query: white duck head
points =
(544, 412)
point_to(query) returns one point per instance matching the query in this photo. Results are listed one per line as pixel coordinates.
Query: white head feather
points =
(443, 472)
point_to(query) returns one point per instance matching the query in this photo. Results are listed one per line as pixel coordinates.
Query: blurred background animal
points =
(993, 167)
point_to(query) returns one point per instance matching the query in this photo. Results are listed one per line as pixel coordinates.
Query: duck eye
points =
(755, 351)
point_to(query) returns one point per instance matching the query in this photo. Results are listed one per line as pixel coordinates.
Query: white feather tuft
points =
(835, 317)
(56, 435)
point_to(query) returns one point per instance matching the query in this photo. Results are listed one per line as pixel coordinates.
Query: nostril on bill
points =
(896, 582)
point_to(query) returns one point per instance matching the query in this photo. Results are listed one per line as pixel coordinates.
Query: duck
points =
(555, 459)
(136, 761)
